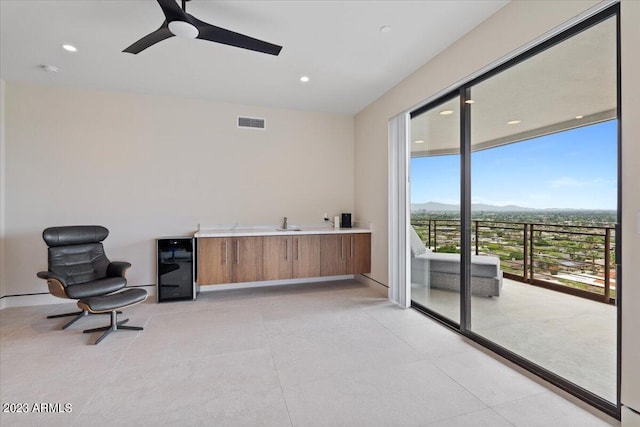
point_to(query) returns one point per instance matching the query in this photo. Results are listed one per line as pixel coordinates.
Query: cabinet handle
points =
(286, 249)
(237, 253)
(341, 247)
(351, 246)
(225, 251)
(297, 249)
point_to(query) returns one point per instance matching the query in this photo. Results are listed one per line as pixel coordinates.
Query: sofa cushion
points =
(481, 265)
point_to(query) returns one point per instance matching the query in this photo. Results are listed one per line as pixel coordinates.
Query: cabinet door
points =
(333, 254)
(247, 259)
(360, 261)
(277, 260)
(306, 256)
(214, 260)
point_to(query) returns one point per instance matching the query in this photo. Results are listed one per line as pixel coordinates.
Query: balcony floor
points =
(571, 336)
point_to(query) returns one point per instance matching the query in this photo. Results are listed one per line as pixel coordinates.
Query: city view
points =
(545, 206)
(575, 249)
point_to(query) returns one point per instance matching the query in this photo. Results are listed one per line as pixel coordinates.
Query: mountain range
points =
(444, 207)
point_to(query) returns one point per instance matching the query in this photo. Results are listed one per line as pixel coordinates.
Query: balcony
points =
(556, 307)
(574, 259)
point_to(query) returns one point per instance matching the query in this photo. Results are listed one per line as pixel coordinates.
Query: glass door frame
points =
(462, 90)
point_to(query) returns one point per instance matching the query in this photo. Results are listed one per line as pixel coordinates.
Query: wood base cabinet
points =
(361, 253)
(277, 263)
(214, 264)
(229, 260)
(251, 259)
(306, 256)
(333, 254)
(291, 257)
(345, 254)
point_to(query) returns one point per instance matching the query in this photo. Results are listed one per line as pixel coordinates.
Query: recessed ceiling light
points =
(419, 141)
(304, 79)
(446, 112)
(514, 122)
(69, 48)
(385, 29)
(469, 101)
(49, 68)
(579, 117)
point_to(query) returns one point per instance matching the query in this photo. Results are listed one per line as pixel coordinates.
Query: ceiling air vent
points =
(251, 122)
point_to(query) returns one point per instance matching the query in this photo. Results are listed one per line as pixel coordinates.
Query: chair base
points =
(110, 304)
(55, 316)
(78, 314)
(114, 326)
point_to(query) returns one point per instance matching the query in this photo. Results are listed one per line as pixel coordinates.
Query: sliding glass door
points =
(544, 188)
(518, 171)
(435, 209)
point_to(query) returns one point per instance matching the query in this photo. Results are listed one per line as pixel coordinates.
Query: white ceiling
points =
(545, 92)
(338, 44)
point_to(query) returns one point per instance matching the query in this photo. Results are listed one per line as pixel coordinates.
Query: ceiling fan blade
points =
(150, 39)
(220, 35)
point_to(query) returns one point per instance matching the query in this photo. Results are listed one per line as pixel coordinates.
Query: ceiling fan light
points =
(183, 29)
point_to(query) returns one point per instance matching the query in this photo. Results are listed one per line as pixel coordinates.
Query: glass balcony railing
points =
(574, 259)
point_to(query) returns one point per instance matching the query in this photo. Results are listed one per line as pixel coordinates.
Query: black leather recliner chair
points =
(78, 266)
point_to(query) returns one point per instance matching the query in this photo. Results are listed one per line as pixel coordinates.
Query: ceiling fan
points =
(179, 23)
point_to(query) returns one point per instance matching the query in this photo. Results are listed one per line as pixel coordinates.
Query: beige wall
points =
(147, 166)
(2, 192)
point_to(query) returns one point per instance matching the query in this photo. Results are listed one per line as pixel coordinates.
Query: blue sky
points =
(573, 169)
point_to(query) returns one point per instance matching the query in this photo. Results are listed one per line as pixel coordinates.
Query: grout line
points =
(432, 362)
(115, 366)
(468, 413)
(275, 367)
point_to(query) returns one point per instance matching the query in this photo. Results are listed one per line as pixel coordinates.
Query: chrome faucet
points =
(284, 223)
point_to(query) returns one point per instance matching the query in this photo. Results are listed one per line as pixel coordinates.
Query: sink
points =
(288, 229)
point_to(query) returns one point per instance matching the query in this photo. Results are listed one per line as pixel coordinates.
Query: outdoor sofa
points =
(442, 270)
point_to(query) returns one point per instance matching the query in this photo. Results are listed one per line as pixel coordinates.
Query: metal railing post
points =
(607, 265)
(531, 261)
(429, 234)
(525, 254)
(435, 236)
(476, 224)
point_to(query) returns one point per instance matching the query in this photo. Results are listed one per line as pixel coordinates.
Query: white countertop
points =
(274, 231)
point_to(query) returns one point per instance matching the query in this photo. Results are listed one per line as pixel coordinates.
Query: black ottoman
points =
(111, 304)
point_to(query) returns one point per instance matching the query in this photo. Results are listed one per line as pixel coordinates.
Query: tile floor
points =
(326, 354)
(573, 337)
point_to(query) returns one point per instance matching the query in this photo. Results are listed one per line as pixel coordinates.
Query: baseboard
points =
(630, 418)
(374, 284)
(9, 301)
(245, 285)
(46, 299)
